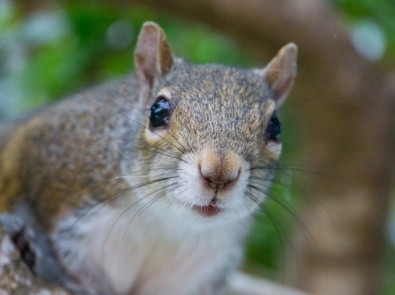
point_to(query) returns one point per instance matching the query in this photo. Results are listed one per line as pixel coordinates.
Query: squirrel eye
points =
(159, 113)
(273, 131)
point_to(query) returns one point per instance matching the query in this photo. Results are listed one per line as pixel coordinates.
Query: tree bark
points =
(345, 107)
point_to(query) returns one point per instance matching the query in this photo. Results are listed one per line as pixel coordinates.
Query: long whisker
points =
(129, 207)
(101, 203)
(167, 189)
(274, 221)
(130, 175)
(278, 228)
(286, 207)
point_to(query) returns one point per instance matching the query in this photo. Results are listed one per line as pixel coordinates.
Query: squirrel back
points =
(170, 162)
(68, 137)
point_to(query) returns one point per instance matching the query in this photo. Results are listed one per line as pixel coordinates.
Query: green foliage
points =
(382, 12)
(80, 53)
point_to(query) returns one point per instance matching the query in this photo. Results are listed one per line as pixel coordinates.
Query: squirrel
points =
(148, 184)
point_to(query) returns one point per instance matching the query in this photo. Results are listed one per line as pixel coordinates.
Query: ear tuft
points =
(153, 57)
(280, 73)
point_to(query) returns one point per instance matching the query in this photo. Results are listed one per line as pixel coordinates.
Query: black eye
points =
(273, 131)
(159, 113)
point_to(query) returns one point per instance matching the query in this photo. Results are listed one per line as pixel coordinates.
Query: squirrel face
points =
(213, 129)
(217, 125)
(201, 160)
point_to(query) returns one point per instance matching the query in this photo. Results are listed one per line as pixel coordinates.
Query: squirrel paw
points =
(38, 255)
(22, 236)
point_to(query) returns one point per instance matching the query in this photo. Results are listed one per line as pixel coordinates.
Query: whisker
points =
(145, 175)
(275, 222)
(129, 207)
(101, 203)
(146, 206)
(287, 208)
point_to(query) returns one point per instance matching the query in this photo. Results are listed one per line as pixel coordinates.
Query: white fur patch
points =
(147, 252)
(152, 241)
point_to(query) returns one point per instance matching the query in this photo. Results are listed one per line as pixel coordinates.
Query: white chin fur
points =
(117, 250)
(129, 246)
(233, 202)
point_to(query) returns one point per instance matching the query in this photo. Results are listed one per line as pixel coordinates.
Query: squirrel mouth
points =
(208, 211)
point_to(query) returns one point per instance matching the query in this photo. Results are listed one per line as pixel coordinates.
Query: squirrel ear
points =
(152, 56)
(280, 73)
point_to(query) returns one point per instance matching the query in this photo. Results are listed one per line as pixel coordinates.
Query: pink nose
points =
(219, 170)
(217, 182)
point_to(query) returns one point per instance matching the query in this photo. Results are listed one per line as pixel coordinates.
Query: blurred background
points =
(51, 49)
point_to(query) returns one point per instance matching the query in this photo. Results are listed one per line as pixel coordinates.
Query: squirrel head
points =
(212, 131)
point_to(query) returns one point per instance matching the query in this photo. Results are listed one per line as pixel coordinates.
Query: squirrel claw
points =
(22, 237)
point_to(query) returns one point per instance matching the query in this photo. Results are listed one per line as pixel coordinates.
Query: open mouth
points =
(208, 211)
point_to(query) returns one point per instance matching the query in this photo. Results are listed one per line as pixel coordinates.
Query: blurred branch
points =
(28, 7)
(242, 284)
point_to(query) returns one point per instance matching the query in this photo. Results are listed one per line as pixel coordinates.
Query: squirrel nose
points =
(219, 170)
